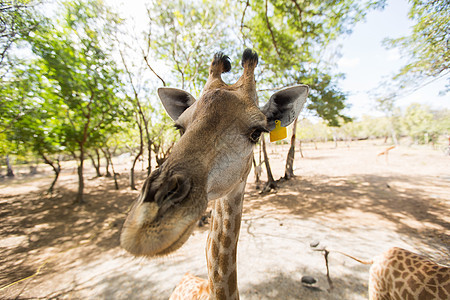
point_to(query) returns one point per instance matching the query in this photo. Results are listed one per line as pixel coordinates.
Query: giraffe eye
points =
(255, 134)
(179, 128)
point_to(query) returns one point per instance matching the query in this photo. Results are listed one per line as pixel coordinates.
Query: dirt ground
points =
(347, 198)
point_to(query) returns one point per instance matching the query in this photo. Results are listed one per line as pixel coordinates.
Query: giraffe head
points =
(211, 158)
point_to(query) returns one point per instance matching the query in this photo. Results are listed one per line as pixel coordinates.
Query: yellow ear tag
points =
(278, 133)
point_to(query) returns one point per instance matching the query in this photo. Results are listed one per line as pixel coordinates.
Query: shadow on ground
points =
(38, 229)
(36, 226)
(289, 286)
(403, 200)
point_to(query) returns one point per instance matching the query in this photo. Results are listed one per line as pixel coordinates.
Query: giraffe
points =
(210, 163)
(399, 274)
(191, 287)
(402, 274)
(385, 152)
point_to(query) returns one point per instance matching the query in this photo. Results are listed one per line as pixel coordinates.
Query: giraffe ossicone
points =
(210, 162)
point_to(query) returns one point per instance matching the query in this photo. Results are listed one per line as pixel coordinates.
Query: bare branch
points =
(300, 11)
(174, 57)
(271, 32)
(151, 69)
(242, 19)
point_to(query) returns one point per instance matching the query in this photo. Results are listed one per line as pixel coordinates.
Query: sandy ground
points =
(346, 198)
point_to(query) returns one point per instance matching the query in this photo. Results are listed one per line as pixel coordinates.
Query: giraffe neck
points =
(222, 245)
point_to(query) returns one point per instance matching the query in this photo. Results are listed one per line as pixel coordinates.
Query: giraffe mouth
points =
(184, 236)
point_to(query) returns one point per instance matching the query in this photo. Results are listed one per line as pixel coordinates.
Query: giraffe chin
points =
(178, 243)
(141, 242)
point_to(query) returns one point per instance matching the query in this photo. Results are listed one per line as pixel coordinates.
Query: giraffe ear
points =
(175, 101)
(285, 105)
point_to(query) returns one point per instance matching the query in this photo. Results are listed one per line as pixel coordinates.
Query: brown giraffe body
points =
(400, 274)
(210, 163)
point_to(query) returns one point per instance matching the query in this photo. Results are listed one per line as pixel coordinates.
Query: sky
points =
(365, 61)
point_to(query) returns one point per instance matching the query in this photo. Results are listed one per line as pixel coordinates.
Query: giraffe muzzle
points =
(163, 217)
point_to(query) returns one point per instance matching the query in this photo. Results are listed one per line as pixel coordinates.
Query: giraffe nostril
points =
(178, 186)
(150, 186)
(172, 191)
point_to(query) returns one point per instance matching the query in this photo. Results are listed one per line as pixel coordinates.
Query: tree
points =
(184, 34)
(18, 18)
(417, 122)
(293, 38)
(427, 47)
(37, 127)
(74, 57)
(142, 109)
(131, 145)
(164, 136)
(289, 169)
(387, 105)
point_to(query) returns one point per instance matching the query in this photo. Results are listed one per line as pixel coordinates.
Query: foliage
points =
(417, 122)
(293, 38)
(427, 47)
(36, 129)
(184, 34)
(67, 96)
(442, 121)
(80, 78)
(18, 18)
(164, 135)
(308, 131)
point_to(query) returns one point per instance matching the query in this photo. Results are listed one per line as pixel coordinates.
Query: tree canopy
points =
(294, 39)
(77, 81)
(18, 18)
(427, 47)
(70, 84)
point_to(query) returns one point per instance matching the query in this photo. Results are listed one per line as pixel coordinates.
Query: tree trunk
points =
(300, 149)
(56, 169)
(271, 184)
(34, 167)
(109, 157)
(96, 163)
(258, 167)
(141, 150)
(289, 170)
(97, 154)
(140, 110)
(9, 170)
(257, 171)
(108, 174)
(149, 149)
(80, 197)
(132, 183)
